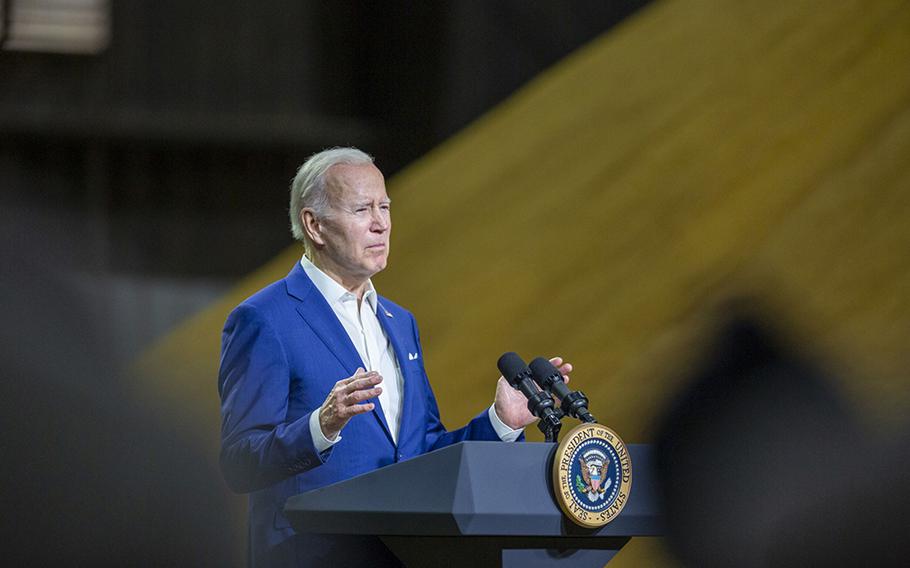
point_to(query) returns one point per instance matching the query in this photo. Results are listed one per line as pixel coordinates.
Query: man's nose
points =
(381, 220)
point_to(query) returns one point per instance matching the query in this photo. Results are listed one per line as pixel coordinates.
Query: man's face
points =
(356, 230)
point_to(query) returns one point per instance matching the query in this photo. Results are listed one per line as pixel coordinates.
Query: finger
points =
(361, 395)
(357, 382)
(564, 368)
(361, 408)
(360, 372)
(366, 382)
(356, 409)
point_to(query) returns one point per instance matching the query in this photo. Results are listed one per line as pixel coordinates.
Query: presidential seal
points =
(592, 475)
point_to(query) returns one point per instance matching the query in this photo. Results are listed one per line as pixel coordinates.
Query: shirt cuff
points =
(320, 442)
(505, 433)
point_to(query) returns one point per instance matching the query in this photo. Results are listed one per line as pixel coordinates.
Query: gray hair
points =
(308, 187)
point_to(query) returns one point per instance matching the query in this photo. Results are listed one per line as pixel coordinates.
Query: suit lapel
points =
(317, 313)
(387, 322)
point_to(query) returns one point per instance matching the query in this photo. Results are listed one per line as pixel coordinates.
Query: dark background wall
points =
(167, 154)
(178, 139)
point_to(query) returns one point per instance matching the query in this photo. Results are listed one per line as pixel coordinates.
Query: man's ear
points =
(312, 226)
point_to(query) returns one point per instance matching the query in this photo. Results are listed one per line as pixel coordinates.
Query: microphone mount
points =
(548, 377)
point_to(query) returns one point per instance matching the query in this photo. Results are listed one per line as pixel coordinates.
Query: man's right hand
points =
(345, 401)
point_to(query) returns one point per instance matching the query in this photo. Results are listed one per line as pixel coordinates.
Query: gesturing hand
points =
(344, 401)
(512, 407)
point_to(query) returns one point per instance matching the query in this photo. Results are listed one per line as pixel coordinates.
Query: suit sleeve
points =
(258, 446)
(479, 428)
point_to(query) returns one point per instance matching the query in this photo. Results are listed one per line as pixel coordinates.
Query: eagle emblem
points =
(593, 481)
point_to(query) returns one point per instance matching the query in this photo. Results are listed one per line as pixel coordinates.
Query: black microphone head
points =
(544, 372)
(513, 368)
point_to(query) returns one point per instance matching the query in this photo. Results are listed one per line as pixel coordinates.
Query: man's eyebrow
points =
(368, 202)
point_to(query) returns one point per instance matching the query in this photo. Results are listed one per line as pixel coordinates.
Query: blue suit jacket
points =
(282, 351)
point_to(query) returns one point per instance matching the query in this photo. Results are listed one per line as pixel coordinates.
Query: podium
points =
(476, 504)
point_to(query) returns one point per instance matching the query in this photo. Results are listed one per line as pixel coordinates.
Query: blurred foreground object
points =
(91, 476)
(761, 463)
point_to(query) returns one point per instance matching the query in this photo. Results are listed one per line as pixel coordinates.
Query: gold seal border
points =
(562, 490)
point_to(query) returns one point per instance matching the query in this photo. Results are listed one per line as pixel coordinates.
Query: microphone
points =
(540, 403)
(574, 403)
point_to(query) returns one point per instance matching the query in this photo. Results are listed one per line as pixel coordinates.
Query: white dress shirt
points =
(375, 350)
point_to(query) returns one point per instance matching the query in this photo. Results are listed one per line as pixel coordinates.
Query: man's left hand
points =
(512, 407)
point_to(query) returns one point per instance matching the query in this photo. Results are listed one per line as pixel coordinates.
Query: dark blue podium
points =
(476, 504)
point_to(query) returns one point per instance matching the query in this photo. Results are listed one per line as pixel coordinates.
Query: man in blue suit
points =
(322, 379)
